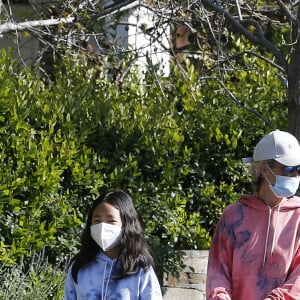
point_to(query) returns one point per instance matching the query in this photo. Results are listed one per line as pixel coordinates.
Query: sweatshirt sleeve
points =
(218, 280)
(149, 286)
(69, 289)
(290, 289)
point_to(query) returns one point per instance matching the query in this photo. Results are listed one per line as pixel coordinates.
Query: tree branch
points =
(109, 10)
(10, 26)
(285, 11)
(258, 40)
(236, 101)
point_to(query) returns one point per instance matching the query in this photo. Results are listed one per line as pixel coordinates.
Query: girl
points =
(114, 262)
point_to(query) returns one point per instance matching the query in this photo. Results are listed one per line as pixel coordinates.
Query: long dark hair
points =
(134, 251)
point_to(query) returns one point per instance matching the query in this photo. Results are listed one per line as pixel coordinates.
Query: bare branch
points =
(262, 58)
(10, 26)
(237, 3)
(110, 10)
(256, 39)
(236, 101)
(286, 11)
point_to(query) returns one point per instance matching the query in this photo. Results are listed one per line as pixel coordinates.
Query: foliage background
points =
(175, 143)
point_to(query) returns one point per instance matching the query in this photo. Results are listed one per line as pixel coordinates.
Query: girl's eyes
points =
(96, 221)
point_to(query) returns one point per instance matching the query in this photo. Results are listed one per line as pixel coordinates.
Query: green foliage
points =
(176, 144)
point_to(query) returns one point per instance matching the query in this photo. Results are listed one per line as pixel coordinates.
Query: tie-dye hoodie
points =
(95, 282)
(255, 252)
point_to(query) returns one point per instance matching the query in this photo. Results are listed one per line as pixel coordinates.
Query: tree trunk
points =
(293, 78)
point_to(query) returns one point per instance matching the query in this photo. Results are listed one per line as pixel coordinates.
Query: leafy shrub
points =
(174, 143)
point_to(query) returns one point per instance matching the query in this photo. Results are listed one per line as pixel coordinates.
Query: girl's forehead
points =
(105, 209)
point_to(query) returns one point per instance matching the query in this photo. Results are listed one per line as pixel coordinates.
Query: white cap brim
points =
(290, 161)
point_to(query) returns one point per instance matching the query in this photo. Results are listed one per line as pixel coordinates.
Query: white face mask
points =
(284, 186)
(107, 236)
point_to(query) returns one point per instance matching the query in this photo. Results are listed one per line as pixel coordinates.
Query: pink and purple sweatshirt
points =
(255, 252)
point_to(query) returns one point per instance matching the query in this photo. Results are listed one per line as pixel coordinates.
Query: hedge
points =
(175, 143)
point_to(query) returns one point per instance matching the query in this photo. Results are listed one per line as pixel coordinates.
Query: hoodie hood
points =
(110, 271)
(112, 264)
(102, 257)
(254, 202)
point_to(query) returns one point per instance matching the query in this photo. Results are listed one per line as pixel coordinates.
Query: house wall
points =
(150, 43)
(25, 47)
(131, 33)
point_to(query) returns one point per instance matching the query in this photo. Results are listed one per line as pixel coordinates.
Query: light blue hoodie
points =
(95, 282)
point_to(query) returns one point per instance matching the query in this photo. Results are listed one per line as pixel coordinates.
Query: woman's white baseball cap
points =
(278, 145)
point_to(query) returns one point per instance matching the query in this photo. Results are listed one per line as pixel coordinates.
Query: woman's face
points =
(106, 213)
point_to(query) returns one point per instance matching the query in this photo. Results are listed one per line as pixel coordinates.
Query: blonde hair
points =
(255, 172)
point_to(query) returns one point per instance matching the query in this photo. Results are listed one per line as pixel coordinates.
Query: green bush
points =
(175, 143)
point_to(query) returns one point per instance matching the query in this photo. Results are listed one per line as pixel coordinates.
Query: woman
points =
(114, 261)
(255, 252)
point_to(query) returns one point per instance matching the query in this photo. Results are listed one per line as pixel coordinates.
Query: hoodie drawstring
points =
(268, 232)
(275, 229)
(267, 236)
(104, 290)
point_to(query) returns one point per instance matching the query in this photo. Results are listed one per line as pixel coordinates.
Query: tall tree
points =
(272, 28)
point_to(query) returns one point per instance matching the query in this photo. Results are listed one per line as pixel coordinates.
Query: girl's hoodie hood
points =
(111, 269)
(289, 204)
(102, 257)
(112, 264)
